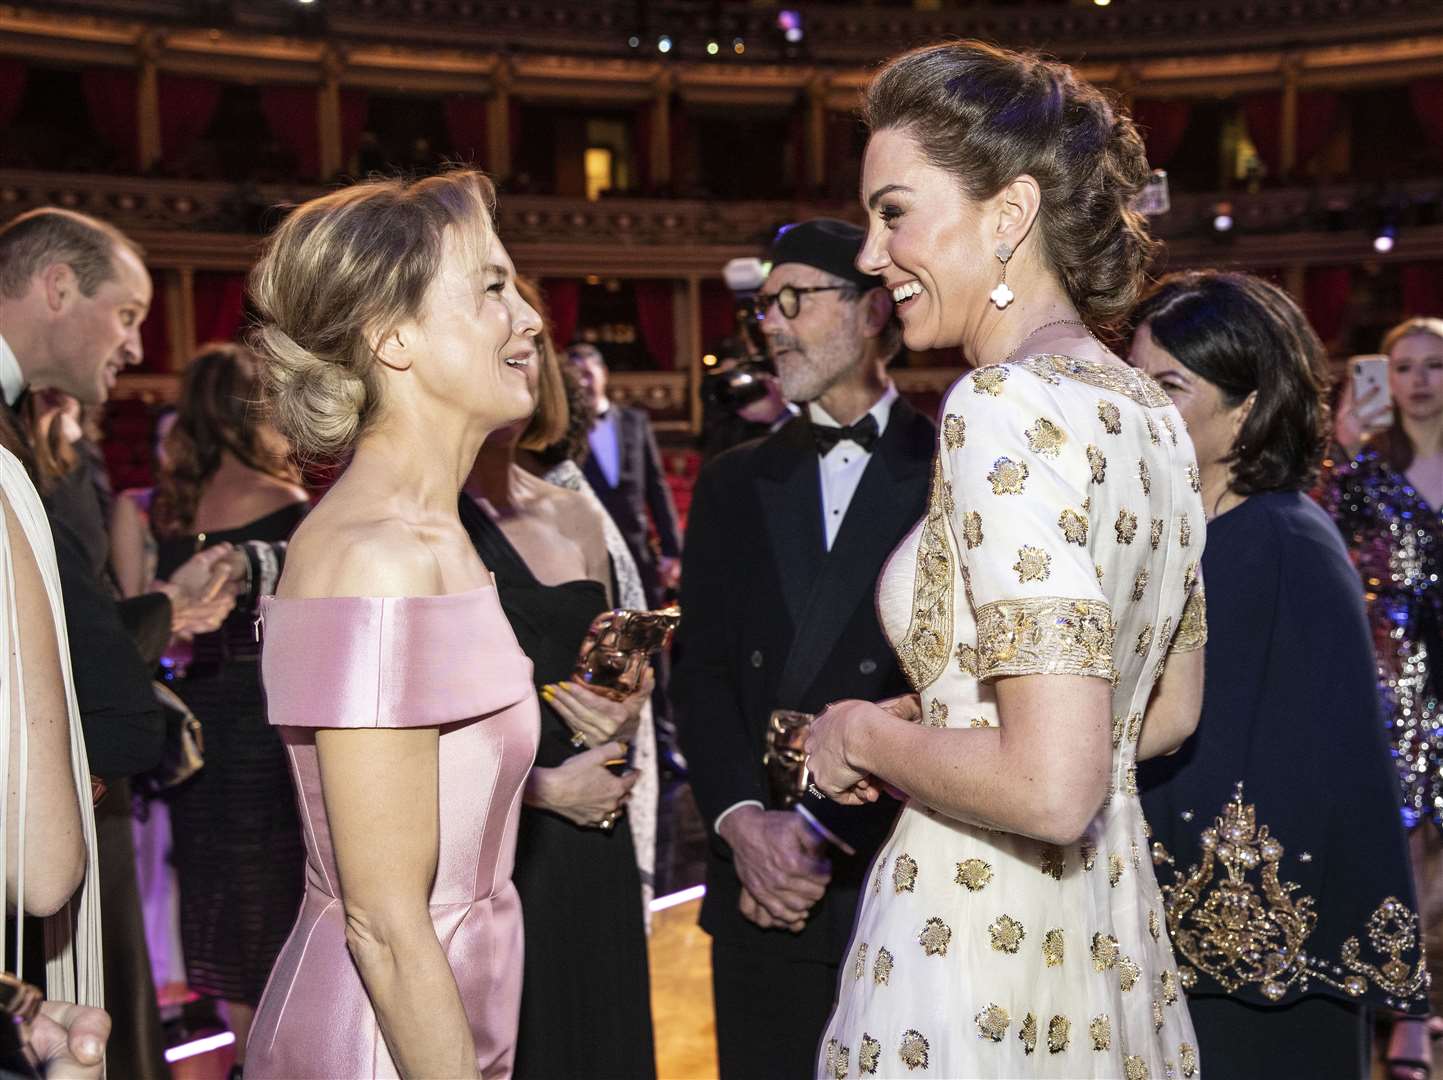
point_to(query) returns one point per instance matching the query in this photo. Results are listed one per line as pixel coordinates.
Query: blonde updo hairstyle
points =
(989, 115)
(338, 275)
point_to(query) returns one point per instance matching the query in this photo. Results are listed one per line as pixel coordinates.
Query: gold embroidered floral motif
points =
(882, 967)
(869, 1056)
(1154, 926)
(979, 721)
(936, 713)
(969, 660)
(922, 652)
(1097, 569)
(1059, 1034)
(1145, 477)
(989, 380)
(914, 1049)
(1007, 476)
(1134, 1068)
(972, 529)
(1139, 584)
(1187, 976)
(1194, 478)
(1074, 527)
(1033, 564)
(1129, 787)
(1088, 850)
(1104, 951)
(1151, 430)
(904, 874)
(1028, 1034)
(1045, 438)
(935, 937)
(1126, 526)
(1110, 416)
(1192, 628)
(1054, 861)
(1171, 431)
(993, 1022)
(1157, 527)
(1158, 669)
(1169, 988)
(859, 968)
(1098, 462)
(877, 877)
(1053, 948)
(1187, 1053)
(1128, 973)
(1007, 934)
(954, 431)
(1119, 378)
(837, 1059)
(1134, 727)
(1046, 635)
(1119, 725)
(1101, 1031)
(1157, 1017)
(1115, 867)
(974, 874)
(1184, 531)
(1144, 641)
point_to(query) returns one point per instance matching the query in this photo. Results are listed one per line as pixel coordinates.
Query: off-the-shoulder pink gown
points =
(449, 662)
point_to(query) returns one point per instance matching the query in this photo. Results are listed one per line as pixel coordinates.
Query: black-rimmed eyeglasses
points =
(789, 299)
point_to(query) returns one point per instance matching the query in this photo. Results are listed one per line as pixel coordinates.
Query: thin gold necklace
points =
(1045, 326)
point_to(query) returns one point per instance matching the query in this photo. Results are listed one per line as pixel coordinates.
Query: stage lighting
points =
(738, 46)
(1386, 238)
(1102, 3)
(663, 44)
(634, 41)
(1222, 217)
(790, 23)
(712, 48)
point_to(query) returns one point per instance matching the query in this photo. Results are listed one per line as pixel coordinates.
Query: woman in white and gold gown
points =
(1047, 608)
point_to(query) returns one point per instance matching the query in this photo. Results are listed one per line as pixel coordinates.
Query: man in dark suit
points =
(624, 469)
(73, 293)
(786, 539)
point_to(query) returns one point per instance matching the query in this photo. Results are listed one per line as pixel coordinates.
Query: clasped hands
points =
(203, 590)
(830, 759)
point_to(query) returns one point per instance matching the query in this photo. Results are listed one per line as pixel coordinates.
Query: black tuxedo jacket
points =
(640, 486)
(121, 719)
(771, 619)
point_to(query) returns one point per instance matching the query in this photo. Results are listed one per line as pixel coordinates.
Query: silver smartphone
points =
(1370, 372)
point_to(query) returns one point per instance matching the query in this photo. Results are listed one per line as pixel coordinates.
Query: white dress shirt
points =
(12, 380)
(606, 446)
(842, 468)
(840, 472)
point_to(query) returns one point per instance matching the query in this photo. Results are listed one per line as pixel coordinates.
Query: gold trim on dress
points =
(1048, 635)
(1192, 628)
(924, 650)
(1120, 379)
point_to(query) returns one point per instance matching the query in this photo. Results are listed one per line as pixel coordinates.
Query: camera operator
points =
(742, 399)
(785, 541)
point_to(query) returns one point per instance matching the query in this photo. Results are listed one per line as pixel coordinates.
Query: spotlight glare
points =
(663, 44)
(1223, 222)
(712, 48)
(709, 360)
(794, 35)
(1102, 3)
(738, 46)
(1383, 243)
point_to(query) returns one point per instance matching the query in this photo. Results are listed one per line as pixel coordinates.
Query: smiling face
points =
(1415, 376)
(824, 343)
(96, 337)
(1212, 423)
(928, 241)
(474, 339)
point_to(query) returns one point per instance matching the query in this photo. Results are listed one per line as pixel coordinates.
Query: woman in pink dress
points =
(392, 331)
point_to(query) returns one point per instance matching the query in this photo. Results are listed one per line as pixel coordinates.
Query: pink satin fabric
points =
(442, 661)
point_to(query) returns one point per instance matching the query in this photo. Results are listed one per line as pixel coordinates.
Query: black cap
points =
(826, 243)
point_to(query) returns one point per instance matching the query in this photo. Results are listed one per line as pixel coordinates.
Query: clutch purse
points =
(785, 759)
(619, 644)
(184, 745)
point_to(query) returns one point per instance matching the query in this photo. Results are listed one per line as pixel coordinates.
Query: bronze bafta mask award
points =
(786, 758)
(617, 647)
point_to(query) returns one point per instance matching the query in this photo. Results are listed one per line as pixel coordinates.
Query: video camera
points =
(735, 380)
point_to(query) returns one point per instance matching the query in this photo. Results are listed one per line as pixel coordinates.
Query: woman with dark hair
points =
(1386, 495)
(237, 848)
(1289, 907)
(1047, 607)
(547, 547)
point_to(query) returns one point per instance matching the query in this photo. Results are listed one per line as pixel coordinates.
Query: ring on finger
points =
(578, 740)
(607, 822)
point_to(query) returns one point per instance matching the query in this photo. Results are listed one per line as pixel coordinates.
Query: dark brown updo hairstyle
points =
(219, 410)
(989, 115)
(1247, 336)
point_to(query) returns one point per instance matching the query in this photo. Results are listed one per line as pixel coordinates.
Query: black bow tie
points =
(863, 433)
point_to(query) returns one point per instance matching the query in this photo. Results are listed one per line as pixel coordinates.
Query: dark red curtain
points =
(110, 95)
(354, 106)
(1317, 118)
(220, 300)
(563, 300)
(1326, 290)
(187, 106)
(467, 124)
(12, 90)
(1422, 289)
(718, 313)
(641, 124)
(1427, 95)
(1163, 125)
(155, 332)
(291, 115)
(654, 317)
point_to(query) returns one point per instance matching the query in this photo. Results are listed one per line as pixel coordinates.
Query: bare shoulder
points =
(576, 514)
(336, 554)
